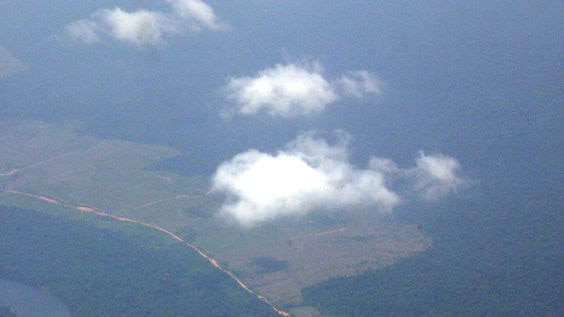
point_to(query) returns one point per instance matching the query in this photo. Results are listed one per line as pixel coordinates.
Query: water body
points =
(27, 301)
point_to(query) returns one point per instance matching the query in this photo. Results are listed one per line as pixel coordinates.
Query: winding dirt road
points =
(96, 211)
(10, 173)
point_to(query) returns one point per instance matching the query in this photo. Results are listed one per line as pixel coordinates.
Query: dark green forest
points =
(103, 272)
(479, 265)
(6, 312)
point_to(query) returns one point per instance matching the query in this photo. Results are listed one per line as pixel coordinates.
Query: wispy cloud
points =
(291, 89)
(435, 176)
(311, 174)
(197, 11)
(9, 65)
(86, 31)
(139, 27)
(359, 84)
(144, 27)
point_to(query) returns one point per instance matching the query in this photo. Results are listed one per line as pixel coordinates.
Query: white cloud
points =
(86, 31)
(285, 90)
(359, 84)
(311, 174)
(144, 27)
(9, 65)
(140, 27)
(293, 90)
(195, 10)
(435, 176)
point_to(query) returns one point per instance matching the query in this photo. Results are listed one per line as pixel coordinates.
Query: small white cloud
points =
(316, 149)
(86, 31)
(435, 175)
(9, 65)
(285, 90)
(144, 27)
(359, 83)
(195, 10)
(140, 27)
(383, 165)
(294, 90)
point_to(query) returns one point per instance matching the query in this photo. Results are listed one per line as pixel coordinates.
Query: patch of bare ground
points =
(313, 257)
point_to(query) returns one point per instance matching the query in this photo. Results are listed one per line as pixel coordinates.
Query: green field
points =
(117, 177)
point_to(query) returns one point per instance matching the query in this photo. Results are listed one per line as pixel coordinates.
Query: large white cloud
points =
(144, 27)
(293, 90)
(311, 174)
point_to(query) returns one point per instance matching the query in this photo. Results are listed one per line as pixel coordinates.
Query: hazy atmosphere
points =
(247, 158)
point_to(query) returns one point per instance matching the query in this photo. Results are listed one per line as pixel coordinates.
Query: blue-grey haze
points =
(480, 81)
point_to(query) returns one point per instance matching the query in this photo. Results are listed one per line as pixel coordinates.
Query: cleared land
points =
(276, 260)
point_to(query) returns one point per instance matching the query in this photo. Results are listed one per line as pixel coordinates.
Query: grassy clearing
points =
(115, 176)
